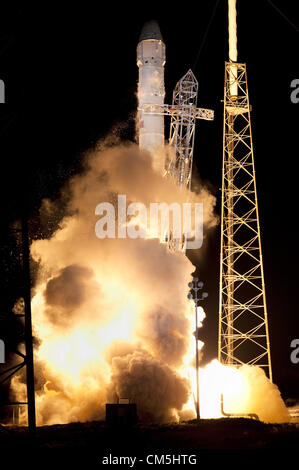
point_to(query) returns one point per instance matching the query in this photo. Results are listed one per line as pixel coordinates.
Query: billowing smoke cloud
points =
(67, 293)
(112, 315)
(245, 390)
(155, 387)
(165, 333)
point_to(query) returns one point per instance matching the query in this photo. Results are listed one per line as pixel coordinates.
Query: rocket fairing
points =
(151, 60)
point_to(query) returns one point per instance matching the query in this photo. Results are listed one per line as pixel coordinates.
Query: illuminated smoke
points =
(245, 390)
(92, 294)
(112, 316)
(156, 388)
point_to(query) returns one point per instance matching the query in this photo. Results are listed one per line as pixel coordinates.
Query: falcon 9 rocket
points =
(151, 91)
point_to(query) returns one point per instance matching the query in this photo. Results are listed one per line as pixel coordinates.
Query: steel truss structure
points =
(182, 128)
(243, 323)
(184, 113)
(27, 358)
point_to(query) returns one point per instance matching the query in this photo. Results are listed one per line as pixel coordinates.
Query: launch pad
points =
(243, 322)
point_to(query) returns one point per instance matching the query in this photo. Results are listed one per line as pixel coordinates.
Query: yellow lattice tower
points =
(243, 323)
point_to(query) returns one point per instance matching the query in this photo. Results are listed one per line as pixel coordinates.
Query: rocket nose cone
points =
(150, 30)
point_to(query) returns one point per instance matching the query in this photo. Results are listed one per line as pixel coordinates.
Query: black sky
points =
(70, 74)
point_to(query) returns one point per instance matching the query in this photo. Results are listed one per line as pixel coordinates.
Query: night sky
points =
(71, 77)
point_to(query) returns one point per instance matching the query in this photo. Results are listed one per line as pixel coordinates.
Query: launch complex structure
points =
(243, 336)
(243, 323)
(151, 109)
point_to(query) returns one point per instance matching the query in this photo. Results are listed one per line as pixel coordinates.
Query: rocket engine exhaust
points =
(112, 317)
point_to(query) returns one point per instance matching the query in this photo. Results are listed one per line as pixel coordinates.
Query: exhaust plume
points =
(112, 315)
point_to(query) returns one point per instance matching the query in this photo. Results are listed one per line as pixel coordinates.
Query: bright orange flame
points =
(73, 356)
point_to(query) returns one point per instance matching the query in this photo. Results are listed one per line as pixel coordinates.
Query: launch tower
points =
(243, 323)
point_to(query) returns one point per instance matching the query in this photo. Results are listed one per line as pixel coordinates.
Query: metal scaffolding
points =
(27, 358)
(243, 324)
(182, 129)
(182, 133)
(183, 112)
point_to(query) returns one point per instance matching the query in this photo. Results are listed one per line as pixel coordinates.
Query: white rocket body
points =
(232, 50)
(151, 61)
